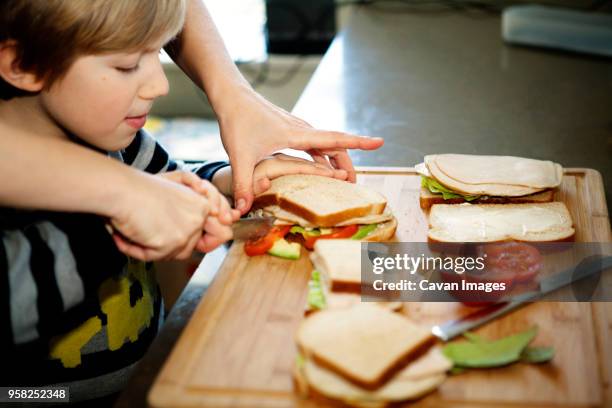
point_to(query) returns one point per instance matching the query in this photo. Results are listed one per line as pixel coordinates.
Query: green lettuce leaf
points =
(435, 187)
(299, 360)
(316, 297)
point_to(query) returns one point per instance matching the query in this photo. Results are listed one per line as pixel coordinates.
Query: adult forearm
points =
(202, 55)
(51, 174)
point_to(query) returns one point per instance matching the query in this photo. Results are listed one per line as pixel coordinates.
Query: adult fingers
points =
(130, 249)
(187, 250)
(324, 139)
(340, 159)
(242, 183)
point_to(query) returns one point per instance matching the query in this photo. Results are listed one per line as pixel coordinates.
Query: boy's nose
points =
(157, 83)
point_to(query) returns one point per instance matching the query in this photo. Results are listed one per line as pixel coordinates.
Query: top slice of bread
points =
(322, 201)
(537, 222)
(427, 199)
(339, 262)
(364, 343)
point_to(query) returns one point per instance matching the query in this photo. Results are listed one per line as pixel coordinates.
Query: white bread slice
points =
(539, 222)
(427, 199)
(366, 344)
(322, 201)
(339, 263)
(510, 170)
(339, 266)
(419, 377)
(491, 189)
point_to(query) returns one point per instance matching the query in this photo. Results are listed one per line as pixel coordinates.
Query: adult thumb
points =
(242, 184)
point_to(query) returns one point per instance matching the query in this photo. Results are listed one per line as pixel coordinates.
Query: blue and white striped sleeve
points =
(146, 154)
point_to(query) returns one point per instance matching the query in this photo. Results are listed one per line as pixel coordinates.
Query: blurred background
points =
(277, 45)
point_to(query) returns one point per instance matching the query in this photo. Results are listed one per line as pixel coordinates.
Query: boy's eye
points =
(127, 70)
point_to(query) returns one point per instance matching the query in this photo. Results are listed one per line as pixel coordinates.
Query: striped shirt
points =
(74, 310)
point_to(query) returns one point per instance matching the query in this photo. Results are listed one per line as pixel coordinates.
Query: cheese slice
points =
(422, 169)
(492, 189)
(284, 217)
(509, 170)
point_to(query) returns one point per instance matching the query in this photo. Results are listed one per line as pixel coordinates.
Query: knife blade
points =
(453, 328)
(252, 228)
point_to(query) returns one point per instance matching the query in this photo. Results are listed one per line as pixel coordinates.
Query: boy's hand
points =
(281, 164)
(215, 234)
(216, 228)
(159, 218)
(219, 207)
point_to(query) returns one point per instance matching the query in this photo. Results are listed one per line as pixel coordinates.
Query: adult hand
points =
(255, 128)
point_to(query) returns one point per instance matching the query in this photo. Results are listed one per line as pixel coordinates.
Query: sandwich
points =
(309, 208)
(460, 178)
(535, 222)
(336, 280)
(366, 355)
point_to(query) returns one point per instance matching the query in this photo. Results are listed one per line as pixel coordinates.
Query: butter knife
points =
(453, 328)
(252, 228)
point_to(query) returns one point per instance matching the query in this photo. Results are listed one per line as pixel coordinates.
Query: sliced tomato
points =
(510, 263)
(340, 232)
(513, 262)
(261, 245)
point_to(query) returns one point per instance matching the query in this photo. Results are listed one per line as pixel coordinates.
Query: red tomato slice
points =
(340, 232)
(261, 245)
(512, 262)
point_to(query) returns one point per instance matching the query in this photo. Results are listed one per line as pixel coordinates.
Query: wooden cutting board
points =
(239, 349)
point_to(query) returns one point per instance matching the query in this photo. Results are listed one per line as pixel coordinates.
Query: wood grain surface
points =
(239, 349)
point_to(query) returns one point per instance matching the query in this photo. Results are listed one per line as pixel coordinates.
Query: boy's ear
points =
(13, 74)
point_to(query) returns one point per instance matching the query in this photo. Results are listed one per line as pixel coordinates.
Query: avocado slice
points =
(284, 249)
(364, 230)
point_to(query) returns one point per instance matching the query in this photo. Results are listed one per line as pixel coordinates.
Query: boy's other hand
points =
(281, 164)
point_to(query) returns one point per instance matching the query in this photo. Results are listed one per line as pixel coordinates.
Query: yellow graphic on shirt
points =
(67, 348)
(123, 321)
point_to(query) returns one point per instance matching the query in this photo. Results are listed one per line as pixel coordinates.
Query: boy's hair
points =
(51, 34)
